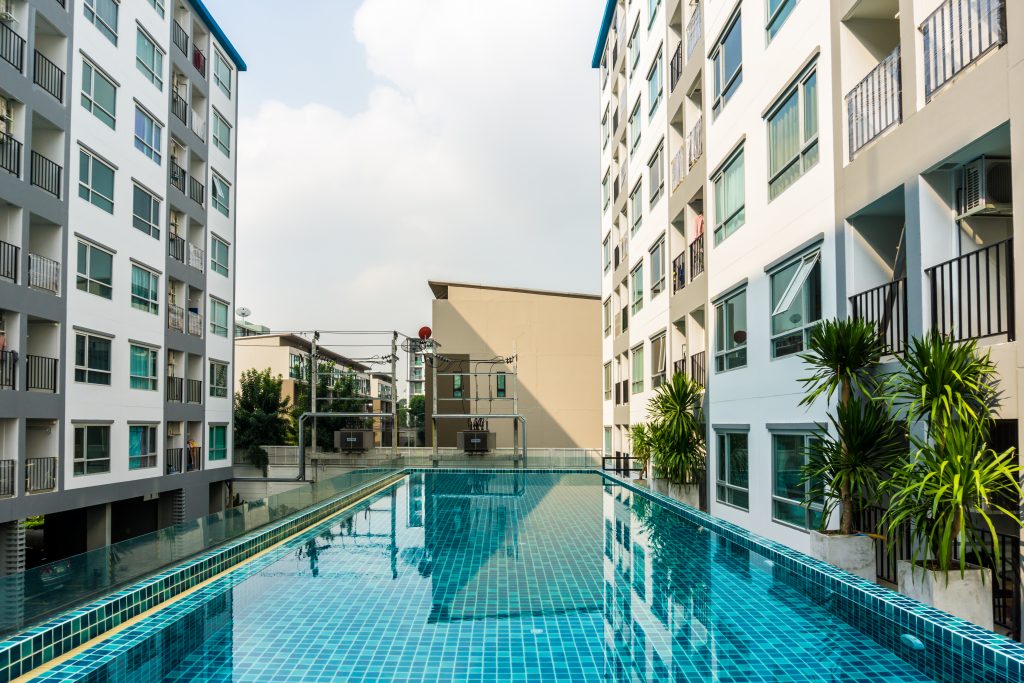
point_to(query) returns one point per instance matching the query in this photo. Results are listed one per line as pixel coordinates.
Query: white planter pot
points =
(854, 553)
(968, 597)
(687, 495)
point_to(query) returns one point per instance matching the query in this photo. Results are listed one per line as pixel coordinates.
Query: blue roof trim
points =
(218, 33)
(606, 22)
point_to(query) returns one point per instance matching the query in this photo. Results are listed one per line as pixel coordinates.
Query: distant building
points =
(382, 393)
(244, 328)
(416, 376)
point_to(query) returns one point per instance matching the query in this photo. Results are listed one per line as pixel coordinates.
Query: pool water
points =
(487, 576)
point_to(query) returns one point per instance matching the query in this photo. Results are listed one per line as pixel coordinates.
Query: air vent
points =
(986, 188)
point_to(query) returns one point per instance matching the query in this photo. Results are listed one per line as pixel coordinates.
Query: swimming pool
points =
(518, 576)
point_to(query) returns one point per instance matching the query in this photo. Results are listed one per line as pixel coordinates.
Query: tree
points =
(676, 433)
(417, 411)
(260, 415)
(335, 394)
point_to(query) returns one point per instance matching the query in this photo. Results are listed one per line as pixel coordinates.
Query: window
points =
(607, 381)
(145, 212)
(727, 64)
(634, 126)
(634, 46)
(652, 11)
(218, 442)
(95, 270)
(295, 363)
(222, 73)
(605, 132)
(731, 332)
(733, 480)
(142, 374)
(605, 194)
(608, 317)
(658, 361)
(636, 277)
(99, 94)
(219, 256)
(796, 304)
(789, 491)
(218, 379)
(103, 15)
(145, 289)
(793, 134)
(607, 440)
(141, 447)
(730, 197)
(158, 5)
(638, 369)
(218, 318)
(95, 181)
(636, 205)
(92, 359)
(658, 267)
(221, 195)
(149, 59)
(221, 133)
(778, 12)
(92, 449)
(147, 135)
(457, 386)
(656, 174)
(654, 86)
(606, 252)
(500, 382)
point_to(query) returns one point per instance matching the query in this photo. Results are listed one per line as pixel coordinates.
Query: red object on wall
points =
(425, 332)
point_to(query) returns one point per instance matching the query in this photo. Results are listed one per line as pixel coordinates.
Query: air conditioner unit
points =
(986, 188)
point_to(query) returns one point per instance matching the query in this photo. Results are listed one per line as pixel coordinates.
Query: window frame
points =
(106, 30)
(777, 499)
(808, 153)
(655, 70)
(723, 465)
(84, 279)
(84, 371)
(158, 5)
(657, 161)
(155, 203)
(607, 379)
(219, 453)
(652, 12)
(150, 148)
(658, 377)
(87, 162)
(657, 285)
(607, 308)
(138, 461)
(217, 203)
(634, 46)
(635, 125)
(606, 252)
(220, 121)
(774, 21)
(722, 230)
(154, 73)
(80, 455)
(220, 60)
(808, 266)
(723, 87)
(215, 265)
(218, 390)
(723, 351)
(138, 301)
(150, 382)
(606, 195)
(215, 327)
(636, 288)
(636, 366)
(88, 98)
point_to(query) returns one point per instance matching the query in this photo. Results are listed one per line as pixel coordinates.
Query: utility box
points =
(353, 440)
(476, 441)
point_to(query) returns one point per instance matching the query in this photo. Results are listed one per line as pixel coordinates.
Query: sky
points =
(383, 143)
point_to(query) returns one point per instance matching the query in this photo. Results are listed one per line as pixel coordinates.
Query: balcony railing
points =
(875, 104)
(699, 368)
(194, 391)
(175, 393)
(695, 142)
(10, 153)
(179, 37)
(625, 318)
(195, 324)
(697, 256)
(174, 459)
(621, 254)
(675, 69)
(194, 458)
(679, 366)
(196, 191)
(199, 61)
(625, 391)
(12, 47)
(886, 307)
(178, 176)
(678, 272)
(176, 248)
(956, 35)
(8, 369)
(43, 273)
(40, 474)
(179, 107)
(198, 124)
(9, 256)
(196, 257)
(7, 469)
(676, 169)
(46, 174)
(48, 76)
(618, 394)
(972, 296)
(693, 30)
(42, 373)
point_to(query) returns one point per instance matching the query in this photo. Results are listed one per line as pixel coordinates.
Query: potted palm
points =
(641, 438)
(955, 484)
(844, 469)
(677, 447)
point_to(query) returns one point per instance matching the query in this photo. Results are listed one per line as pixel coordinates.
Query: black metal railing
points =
(621, 463)
(178, 176)
(174, 460)
(10, 153)
(12, 47)
(46, 174)
(8, 369)
(9, 256)
(179, 107)
(44, 273)
(875, 104)
(886, 307)
(42, 373)
(176, 247)
(1006, 578)
(972, 296)
(624, 318)
(956, 35)
(7, 469)
(618, 394)
(179, 37)
(196, 190)
(48, 76)
(194, 458)
(199, 60)
(679, 366)
(174, 389)
(678, 272)
(625, 391)
(675, 68)
(195, 391)
(869, 520)
(40, 474)
(697, 256)
(699, 368)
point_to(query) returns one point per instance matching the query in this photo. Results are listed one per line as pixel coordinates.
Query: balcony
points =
(175, 387)
(9, 256)
(886, 307)
(195, 324)
(699, 368)
(7, 469)
(40, 474)
(618, 394)
(972, 296)
(179, 37)
(679, 366)
(48, 76)
(676, 171)
(178, 176)
(44, 274)
(10, 153)
(956, 35)
(675, 67)
(179, 107)
(196, 257)
(197, 124)
(697, 256)
(693, 30)
(196, 191)
(875, 104)
(46, 174)
(42, 373)
(199, 61)
(180, 460)
(194, 458)
(12, 47)
(695, 143)
(175, 318)
(625, 391)
(8, 369)
(678, 272)
(624, 318)
(176, 247)
(194, 393)
(621, 254)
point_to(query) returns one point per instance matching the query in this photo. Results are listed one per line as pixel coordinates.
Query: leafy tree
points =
(677, 445)
(335, 394)
(260, 415)
(417, 411)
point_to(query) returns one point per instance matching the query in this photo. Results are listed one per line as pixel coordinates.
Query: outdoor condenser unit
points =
(476, 441)
(986, 188)
(353, 440)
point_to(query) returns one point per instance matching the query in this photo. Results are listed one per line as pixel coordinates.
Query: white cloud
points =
(475, 159)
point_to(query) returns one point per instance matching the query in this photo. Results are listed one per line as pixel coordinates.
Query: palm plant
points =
(677, 429)
(843, 355)
(641, 440)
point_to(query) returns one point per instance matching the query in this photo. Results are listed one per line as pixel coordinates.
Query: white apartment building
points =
(416, 374)
(117, 266)
(857, 162)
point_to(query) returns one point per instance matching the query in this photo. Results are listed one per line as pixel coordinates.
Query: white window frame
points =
(88, 99)
(221, 126)
(659, 362)
(154, 73)
(634, 47)
(723, 482)
(657, 256)
(723, 230)
(808, 153)
(84, 270)
(777, 499)
(150, 148)
(636, 206)
(219, 203)
(84, 460)
(86, 185)
(635, 126)
(147, 459)
(776, 20)
(656, 173)
(606, 252)
(217, 390)
(636, 288)
(219, 59)
(724, 351)
(808, 264)
(215, 265)
(216, 328)
(153, 365)
(141, 303)
(94, 18)
(724, 86)
(152, 229)
(654, 98)
(85, 368)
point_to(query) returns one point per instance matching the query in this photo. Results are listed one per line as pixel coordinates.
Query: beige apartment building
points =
(538, 346)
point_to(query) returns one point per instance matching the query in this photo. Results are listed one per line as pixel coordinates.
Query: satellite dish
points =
(243, 312)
